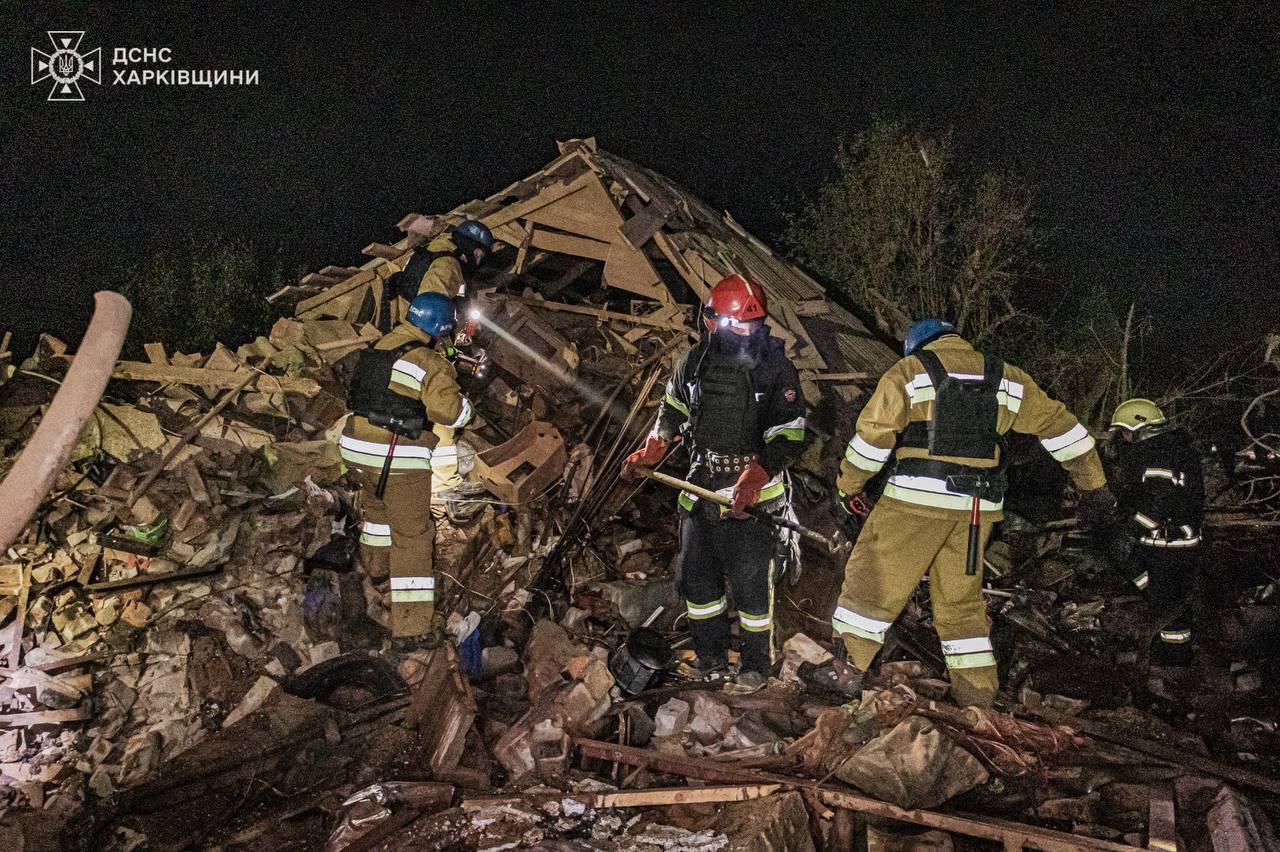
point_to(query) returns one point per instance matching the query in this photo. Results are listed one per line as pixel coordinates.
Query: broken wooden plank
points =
(148, 579)
(335, 291)
(195, 484)
(382, 250)
(443, 708)
(682, 795)
(20, 620)
(1013, 835)
(141, 371)
(570, 244)
(155, 353)
(1161, 831)
(190, 434)
(640, 228)
(45, 717)
(541, 199)
(1238, 825)
(602, 314)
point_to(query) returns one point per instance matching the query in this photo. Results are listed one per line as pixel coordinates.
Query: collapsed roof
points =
(593, 218)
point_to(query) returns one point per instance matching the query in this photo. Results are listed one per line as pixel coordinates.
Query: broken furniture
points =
(518, 470)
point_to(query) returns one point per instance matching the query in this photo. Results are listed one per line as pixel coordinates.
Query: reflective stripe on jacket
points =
(905, 395)
(419, 372)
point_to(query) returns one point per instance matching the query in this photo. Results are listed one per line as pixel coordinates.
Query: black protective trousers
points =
(1167, 578)
(716, 548)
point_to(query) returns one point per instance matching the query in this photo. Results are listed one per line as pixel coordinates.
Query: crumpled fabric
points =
(913, 765)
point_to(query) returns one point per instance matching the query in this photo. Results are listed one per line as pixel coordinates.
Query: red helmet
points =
(738, 298)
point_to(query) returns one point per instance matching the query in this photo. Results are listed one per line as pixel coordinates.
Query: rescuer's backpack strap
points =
(965, 409)
(404, 284)
(371, 395)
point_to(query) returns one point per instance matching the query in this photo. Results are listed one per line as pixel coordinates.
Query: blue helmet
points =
(432, 312)
(477, 232)
(923, 331)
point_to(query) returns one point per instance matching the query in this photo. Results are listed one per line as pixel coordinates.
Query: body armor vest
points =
(964, 425)
(404, 284)
(371, 395)
(725, 414)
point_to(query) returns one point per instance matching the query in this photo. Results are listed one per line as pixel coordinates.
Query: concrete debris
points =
(186, 627)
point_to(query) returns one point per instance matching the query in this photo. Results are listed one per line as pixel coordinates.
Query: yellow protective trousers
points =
(894, 552)
(397, 538)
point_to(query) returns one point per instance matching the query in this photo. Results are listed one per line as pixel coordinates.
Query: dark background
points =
(1148, 131)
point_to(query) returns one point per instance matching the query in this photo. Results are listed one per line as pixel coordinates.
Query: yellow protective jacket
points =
(419, 372)
(905, 395)
(444, 275)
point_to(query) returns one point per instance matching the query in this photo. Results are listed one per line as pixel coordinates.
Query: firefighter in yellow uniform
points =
(402, 386)
(440, 268)
(943, 408)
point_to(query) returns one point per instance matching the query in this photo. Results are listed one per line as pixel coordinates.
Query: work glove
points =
(854, 505)
(1097, 508)
(747, 489)
(647, 456)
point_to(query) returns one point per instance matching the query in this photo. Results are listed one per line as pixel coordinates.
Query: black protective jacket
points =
(1160, 489)
(736, 402)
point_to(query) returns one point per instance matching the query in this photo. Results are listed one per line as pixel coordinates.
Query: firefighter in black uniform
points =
(735, 398)
(1160, 490)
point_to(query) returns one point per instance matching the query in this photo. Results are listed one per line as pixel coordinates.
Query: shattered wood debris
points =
(196, 657)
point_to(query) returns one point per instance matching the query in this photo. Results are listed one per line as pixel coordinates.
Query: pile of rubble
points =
(195, 659)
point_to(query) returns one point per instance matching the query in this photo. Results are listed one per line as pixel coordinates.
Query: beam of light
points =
(567, 377)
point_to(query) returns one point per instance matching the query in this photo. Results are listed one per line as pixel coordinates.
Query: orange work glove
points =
(747, 490)
(647, 456)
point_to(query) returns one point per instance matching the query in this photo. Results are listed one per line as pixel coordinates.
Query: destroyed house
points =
(590, 221)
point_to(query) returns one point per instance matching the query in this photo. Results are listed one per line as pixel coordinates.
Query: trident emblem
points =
(66, 66)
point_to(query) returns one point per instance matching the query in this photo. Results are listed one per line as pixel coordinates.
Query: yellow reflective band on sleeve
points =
(1076, 441)
(1010, 395)
(1142, 580)
(792, 430)
(708, 610)
(407, 374)
(676, 404)
(686, 501)
(866, 455)
(1175, 637)
(463, 416)
(405, 381)
(1145, 521)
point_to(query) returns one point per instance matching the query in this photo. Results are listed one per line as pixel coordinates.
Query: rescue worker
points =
(943, 407)
(1156, 545)
(735, 399)
(403, 387)
(440, 269)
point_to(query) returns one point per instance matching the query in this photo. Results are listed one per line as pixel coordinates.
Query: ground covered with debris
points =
(195, 659)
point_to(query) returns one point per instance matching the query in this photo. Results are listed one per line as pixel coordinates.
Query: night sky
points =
(1148, 131)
